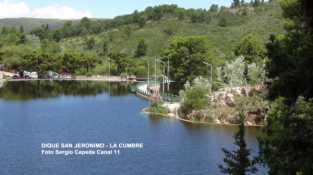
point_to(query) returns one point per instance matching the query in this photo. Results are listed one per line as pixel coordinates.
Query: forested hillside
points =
(129, 40)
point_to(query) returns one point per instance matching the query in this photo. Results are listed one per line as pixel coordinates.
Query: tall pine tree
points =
(237, 162)
(141, 49)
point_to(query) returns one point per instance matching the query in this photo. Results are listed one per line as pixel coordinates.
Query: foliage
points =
(290, 55)
(286, 145)
(251, 48)
(68, 37)
(90, 43)
(287, 141)
(121, 62)
(199, 16)
(188, 55)
(237, 162)
(238, 73)
(222, 22)
(105, 48)
(250, 103)
(234, 72)
(141, 49)
(157, 108)
(256, 74)
(195, 95)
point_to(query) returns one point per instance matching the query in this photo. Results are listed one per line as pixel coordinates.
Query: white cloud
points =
(21, 9)
(58, 11)
(13, 10)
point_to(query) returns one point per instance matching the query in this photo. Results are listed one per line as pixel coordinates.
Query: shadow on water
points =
(28, 90)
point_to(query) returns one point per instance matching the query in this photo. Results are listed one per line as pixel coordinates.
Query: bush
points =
(222, 22)
(195, 97)
(157, 108)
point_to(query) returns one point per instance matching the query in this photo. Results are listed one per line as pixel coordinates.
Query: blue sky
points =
(92, 8)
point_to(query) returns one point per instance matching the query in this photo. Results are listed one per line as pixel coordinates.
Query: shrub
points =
(195, 96)
(157, 108)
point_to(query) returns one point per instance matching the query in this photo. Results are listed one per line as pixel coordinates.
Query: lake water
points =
(32, 113)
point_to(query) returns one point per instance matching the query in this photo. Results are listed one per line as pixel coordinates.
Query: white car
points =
(31, 75)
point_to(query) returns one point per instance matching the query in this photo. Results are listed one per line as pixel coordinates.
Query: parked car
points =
(30, 75)
(16, 76)
(52, 75)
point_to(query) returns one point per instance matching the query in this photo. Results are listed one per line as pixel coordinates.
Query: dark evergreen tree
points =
(105, 48)
(237, 162)
(141, 49)
(290, 56)
(286, 144)
(21, 29)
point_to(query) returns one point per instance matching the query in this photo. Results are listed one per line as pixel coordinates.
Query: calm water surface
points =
(32, 113)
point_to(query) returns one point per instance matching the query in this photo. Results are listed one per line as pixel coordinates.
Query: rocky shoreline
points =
(223, 108)
(176, 117)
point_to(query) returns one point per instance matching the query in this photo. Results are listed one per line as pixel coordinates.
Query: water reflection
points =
(171, 147)
(28, 90)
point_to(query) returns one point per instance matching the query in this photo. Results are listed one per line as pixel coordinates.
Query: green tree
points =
(88, 61)
(142, 48)
(286, 144)
(22, 39)
(141, 22)
(85, 23)
(42, 32)
(234, 72)
(186, 56)
(195, 95)
(121, 61)
(50, 47)
(222, 22)
(127, 30)
(21, 29)
(237, 162)
(290, 62)
(251, 48)
(90, 43)
(105, 48)
(57, 35)
(70, 62)
(199, 16)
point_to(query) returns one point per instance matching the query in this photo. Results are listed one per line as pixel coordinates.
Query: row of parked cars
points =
(48, 75)
(25, 75)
